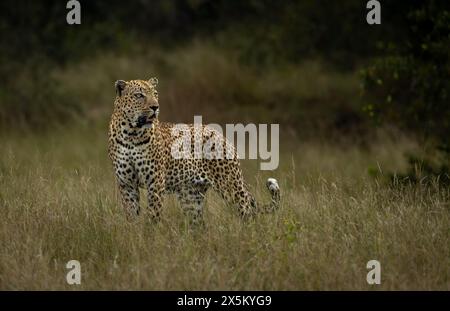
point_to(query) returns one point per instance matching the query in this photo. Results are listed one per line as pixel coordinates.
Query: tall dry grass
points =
(58, 202)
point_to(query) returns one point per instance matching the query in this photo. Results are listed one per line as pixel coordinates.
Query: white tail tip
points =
(272, 184)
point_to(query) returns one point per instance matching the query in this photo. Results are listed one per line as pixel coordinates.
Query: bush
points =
(410, 85)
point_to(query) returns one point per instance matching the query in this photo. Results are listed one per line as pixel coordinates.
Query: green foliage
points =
(273, 32)
(264, 31)
(409, 86)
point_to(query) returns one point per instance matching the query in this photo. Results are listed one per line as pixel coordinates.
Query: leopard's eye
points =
(139, 95)
(155, 93)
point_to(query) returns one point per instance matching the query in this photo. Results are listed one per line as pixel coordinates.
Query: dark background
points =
(315, 67)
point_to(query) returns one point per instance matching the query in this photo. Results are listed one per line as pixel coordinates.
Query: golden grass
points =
(58, 202)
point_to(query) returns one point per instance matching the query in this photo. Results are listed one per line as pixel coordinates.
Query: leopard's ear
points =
(153, 81)
(120, 86)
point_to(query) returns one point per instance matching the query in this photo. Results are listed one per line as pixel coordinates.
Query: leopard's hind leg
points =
(234, 190)
(192, 200)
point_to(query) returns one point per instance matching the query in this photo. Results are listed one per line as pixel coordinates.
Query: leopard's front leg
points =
(155, 190)
(129, 194)
(128, 185)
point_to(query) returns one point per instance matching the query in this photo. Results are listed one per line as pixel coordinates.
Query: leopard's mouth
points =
(144, 122)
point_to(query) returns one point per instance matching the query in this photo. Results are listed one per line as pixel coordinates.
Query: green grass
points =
(58, 202)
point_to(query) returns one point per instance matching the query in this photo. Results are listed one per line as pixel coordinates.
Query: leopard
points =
(141, 148)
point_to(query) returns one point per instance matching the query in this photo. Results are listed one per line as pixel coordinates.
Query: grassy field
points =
(58, 202)
(58, 199)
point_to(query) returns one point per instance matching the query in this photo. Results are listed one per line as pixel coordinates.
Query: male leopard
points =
(140, 147)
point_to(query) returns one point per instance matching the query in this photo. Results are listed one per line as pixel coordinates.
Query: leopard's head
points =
(137, 102)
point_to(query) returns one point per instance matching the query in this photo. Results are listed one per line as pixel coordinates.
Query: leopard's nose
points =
(154, 108)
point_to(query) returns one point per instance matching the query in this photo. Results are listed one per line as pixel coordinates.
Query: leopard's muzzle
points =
(144, 121)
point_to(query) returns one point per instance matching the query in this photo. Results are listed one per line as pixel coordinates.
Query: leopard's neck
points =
(120, 130)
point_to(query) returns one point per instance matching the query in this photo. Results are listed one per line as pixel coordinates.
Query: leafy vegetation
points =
(409, 85)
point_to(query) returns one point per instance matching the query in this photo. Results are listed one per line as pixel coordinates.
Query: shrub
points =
(410, 85)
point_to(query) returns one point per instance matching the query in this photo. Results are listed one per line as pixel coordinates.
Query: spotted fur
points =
(140, 149)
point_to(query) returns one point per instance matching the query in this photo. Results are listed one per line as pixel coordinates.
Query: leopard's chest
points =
(135, 163)
(145, 166)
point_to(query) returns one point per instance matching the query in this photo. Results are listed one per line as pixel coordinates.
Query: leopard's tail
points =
(274, 204)
(245, 201)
